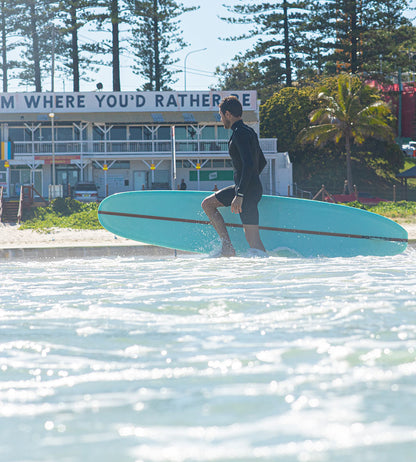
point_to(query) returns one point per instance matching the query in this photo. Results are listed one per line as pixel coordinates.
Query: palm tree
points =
(344, 117)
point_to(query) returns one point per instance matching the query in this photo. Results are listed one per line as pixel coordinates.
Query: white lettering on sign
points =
(151, 101)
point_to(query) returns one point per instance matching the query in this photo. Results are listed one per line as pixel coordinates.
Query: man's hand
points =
(237, 204)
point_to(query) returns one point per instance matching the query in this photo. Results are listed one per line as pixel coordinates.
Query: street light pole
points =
(52, 117)
(53, 61)
(184, 64)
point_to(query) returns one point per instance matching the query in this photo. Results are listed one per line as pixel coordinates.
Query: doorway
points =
(68, 177)
(140, 180)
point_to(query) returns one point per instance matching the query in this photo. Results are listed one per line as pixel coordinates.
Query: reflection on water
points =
(197, 359)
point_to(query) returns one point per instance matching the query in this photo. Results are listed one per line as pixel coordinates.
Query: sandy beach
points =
(11, 237)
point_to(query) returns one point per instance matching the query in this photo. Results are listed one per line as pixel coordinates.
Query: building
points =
(123, 141)
(402, 98)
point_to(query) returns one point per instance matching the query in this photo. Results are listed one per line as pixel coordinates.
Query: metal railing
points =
(20, 211)
(26, 199)
(299, 192)
(22, 148)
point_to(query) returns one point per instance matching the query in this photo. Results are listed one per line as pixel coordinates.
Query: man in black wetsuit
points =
(248, 162)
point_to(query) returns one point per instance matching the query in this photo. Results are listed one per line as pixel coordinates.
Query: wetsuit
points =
(248, 162)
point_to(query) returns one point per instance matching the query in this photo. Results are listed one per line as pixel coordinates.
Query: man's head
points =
(231, 110)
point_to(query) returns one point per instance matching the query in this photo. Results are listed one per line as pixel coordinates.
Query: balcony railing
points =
(28, 148)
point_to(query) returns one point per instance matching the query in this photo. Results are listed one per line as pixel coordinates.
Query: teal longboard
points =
(174, 219)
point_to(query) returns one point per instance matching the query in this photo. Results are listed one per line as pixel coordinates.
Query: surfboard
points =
(306, 228)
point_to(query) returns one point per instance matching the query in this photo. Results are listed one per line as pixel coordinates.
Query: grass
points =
(402, 209)
(63, 213)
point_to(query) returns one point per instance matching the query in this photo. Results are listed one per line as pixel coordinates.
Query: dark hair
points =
(233, 105)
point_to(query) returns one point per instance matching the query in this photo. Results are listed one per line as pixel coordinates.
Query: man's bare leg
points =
(252, 234)
(210, 206)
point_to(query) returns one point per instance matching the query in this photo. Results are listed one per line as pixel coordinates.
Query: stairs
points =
(10, 211)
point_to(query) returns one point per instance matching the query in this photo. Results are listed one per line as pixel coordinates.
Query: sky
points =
(201, 29)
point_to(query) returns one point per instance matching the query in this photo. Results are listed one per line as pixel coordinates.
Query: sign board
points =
(211, 175)
(59, 159)
(142, 101)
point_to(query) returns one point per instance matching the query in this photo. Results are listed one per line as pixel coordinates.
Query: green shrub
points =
(66, 207)
(357, 205)
(63, 213)
(402, 209)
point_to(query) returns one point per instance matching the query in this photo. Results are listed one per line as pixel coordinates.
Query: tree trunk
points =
(4, 66)
(115, 45)
(287, 46)
(35, 45)
(355, 37)
(74, 49)
(156, 45)
(349, 169)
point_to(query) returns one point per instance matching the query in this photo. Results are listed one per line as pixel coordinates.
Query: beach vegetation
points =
(374, 162)
(62, 213)
(344, 118)
(401, 209)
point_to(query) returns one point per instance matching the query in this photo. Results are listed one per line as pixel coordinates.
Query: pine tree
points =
(156, 36)
(265, 77)
(277, 28)
(359, 31)
(74, 16)
(108, 14)
(390, 43)
(35, 24)
(8, 26)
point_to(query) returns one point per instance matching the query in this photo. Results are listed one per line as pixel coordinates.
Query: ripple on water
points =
(203, 359)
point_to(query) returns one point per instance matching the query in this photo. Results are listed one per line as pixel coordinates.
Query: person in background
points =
(248, 162)
(182, 186)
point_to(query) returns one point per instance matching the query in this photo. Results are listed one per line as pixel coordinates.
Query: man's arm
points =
(262, 159)
(243, 141)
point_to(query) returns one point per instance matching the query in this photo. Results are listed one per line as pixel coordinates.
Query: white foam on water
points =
(199, 359)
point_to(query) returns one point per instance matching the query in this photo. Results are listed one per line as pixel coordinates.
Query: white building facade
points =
(125, 141)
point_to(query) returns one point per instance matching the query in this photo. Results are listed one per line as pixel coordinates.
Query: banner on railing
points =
(59, 159)
(6, 150)
(144, 101)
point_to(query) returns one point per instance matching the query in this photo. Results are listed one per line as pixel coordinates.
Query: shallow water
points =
(198, 359)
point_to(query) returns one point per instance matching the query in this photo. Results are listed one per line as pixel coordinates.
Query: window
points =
(191, 132)
(224, 134)
(180, 133)
(97, 133)
(118, 133)
(208, 133)
(139, 133)
(64, 134)
(163, 133)
(188, 133)
(80, 134)
(20, 134)
(46, 133)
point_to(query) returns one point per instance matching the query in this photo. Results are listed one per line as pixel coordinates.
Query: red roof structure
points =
(408, 119)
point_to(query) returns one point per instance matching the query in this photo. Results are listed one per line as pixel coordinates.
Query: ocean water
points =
(199, 359)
